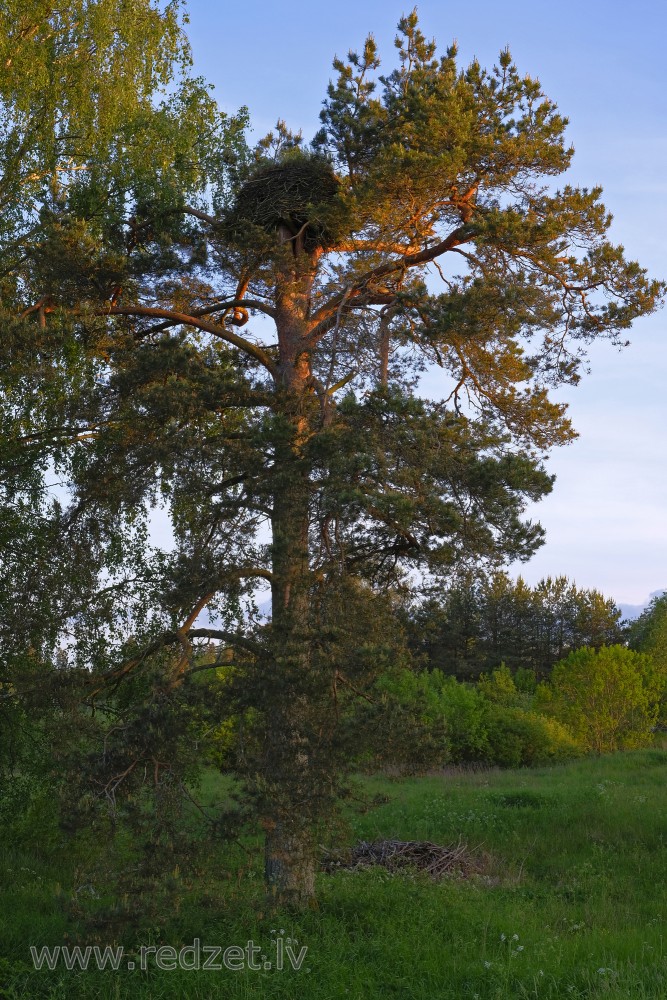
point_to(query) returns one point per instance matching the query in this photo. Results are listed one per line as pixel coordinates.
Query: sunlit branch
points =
(359, 292)
(199, 323)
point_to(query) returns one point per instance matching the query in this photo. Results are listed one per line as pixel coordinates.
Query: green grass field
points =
(570, 901)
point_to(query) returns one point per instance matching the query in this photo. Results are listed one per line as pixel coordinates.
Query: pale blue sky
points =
(604, 64)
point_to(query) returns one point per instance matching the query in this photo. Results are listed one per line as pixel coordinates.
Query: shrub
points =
(499, 686)
(440, 719)
(464, 711)
(607, 698)
(525, 680)
(518, 738)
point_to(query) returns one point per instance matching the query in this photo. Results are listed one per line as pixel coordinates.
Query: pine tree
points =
(245, 329)
(476, 624)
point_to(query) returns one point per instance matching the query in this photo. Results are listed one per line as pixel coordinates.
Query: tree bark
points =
(289, 866)
(289, 860)
(290, 806)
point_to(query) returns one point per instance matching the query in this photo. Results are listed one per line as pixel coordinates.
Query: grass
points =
(571, 903)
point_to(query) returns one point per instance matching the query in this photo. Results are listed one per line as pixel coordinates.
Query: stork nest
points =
(395, 855)
(299, 194)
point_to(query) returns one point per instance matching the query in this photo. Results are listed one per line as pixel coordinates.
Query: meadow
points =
(568, 899)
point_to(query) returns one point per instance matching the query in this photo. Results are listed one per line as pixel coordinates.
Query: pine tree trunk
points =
(289, 866)
(290, 807)
(289, 856)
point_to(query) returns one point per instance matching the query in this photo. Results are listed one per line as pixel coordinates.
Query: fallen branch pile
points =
(435, 861)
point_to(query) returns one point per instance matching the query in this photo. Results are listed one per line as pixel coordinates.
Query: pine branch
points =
(199, 323)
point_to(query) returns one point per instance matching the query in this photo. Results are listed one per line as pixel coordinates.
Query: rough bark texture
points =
(290, 866)
(289, 854)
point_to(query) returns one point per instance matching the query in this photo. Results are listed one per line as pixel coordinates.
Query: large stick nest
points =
(433, 860)
(299, 195)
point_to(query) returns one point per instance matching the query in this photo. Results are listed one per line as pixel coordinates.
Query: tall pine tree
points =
(240, 332)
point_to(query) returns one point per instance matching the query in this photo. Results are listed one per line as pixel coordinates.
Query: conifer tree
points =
(241, 332)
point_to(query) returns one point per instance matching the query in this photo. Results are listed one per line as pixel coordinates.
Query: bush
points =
(525, 680)
(520, 738)
(443, 720)
(464, 712)
(499, 686)
(608, 698)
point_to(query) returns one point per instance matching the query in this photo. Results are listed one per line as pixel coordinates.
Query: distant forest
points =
(476, 624)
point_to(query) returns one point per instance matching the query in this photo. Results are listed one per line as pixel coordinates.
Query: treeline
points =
(545, 674)
(648, 633)
(595, 701)
(477, 624)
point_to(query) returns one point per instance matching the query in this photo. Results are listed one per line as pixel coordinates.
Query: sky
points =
(603, 63)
